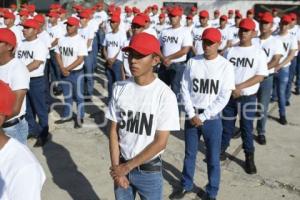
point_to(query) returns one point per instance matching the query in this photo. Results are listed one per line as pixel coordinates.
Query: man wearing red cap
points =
(135, 149)
(198, 30)
(194, 13)
(21, 175)
(231, 21)
(176, 42)
(273, 49)
(154, 16)
(225, 32)
(250, 64)
(112, 45)
(161, 25)
(215, 22)
(16, 75)
(234, 30)
(276, 19)
(33, 53)
(9, 21)
(189, 23)
(70, 52)
(281, 77)
(128, 19)
(148, 28)
(203, 107)
(250, 15)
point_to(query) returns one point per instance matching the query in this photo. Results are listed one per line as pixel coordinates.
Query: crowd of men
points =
(217, 68)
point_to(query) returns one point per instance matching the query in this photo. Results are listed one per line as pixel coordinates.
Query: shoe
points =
(88, 99)
(223, 156)
(250, 167)
(180, 194)
(287, 103)
(40, 142)
(236, 134)
(261, 139)
(282, 120)
(297, 92)
(63, 120)
(78, 123)
(57, 92)
(206, 197)
(31, 135)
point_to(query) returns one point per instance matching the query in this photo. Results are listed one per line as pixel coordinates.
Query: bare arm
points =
(34, 65)
(179, 53)
(274, 62)
(114, 144)
(77, 62)
(288, 59)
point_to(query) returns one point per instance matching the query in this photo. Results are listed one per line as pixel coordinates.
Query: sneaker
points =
(63, 120)
(297, 92)
(282, 120)
(287, 103)
(78, 123)
(206, 197)
(41, 141)
(180, 194)
(250, 167)
(261, 139)
(223, 156)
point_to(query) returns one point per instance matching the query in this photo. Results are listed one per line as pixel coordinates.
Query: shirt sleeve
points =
(186, 85)
(40, 53)
(188, 39)
(262, 64)
(82, 51)
(20, 78)
(111, 112)
(223, 97)
(279, 48)
(168, 117)
(294, 44)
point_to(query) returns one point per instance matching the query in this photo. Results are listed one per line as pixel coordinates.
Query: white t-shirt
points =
(276, 21)
(93, 25)
(141, 111)
(100, 16)
(18, 33)
(87, 34)
(2, 25)
(173, 40)
(294, 32)
(234, 35)
(159, 28)
(197, 37)
(271, 46)
(204, 86)
(154, 19)
(215, 23)
(28, 51)
(21, 175)
(150, 31)
(196, 21)
(16, 75)
(125, 61)
(225, 33)
(289, 43)
(248, 62)
(114, 42)
(55, 32)
(231, 22)
(70, 48)
(127, 22)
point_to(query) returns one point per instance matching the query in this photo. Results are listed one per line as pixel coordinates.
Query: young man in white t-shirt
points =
(205, 92)
(70, 52)
(281, 78)
(198, 30)
(250, 64)
(273, 49)
(112, 45)
(140, 123)
(233, 40)
(215, 22)
(225, 31)
(9, 21)
(16, 75)
(33, 53)
(175, 42)
(21, 175)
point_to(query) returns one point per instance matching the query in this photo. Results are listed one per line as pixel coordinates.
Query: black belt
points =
(33, 78)
(151, 166)
(198, 110)
(13, 122)
(182, 62)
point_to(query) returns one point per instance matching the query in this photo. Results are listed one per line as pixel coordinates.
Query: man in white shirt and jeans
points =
(140, 123)
(21, 175)
(205, 92)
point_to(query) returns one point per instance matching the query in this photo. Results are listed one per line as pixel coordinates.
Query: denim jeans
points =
(113, 75)
(245, 106)
(281, 81)
(36, 106)
(72, 87)
(292, 74)
(263, 100)
(89, 67)
(54, 71)
(298, 72)
(18, 131)
(172, 76)
(149, 185)
(212, 133)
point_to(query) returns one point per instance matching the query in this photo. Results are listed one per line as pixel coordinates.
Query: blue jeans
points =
(281, 81)
(247, 107)
(263, 100)
(212, 133)
(55, 74)
(149, 185)
(89, 67)
(18, 131)
(298, 72)
(292, 73)
(73, 88)
(113, 75)
(36, 106)
(172, 76)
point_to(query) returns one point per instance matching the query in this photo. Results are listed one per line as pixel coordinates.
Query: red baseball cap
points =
(62, 11)
(247, 24)
(31, 8)
(193, 8)
(162, 15)
(293, 16)
(39, 18)
(146, 17)
(155, 7)
(7, 36)
(84, 15)
(128, 9)
(138, 44)
(274, 9)
(230, 11)
(135, 10)
(286, 19)
(238, 15)
(204, 13)
(7, 99)
(224, 17)
(139, 20)
(115, 18)
(266, 17)
(176, 11)
(24, 13)
(250, 12)
(189, 17)
(13, 6)
(73, 21)
(237, 11)
(53, 14)
(8, 15)
(55, 6)
(216, 12)
(212, 34)
(31, 23)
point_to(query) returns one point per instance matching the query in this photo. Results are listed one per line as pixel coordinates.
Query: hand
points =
(122, 182)
(119, 170)
(277, 68)
(195, 121)
(110, 62)
(167, 61)
(65, 72)
(237, 92)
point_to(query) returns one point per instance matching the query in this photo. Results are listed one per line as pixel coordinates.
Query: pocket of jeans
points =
(150, 172)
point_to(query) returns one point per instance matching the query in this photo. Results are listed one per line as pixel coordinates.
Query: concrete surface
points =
(76, 161)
